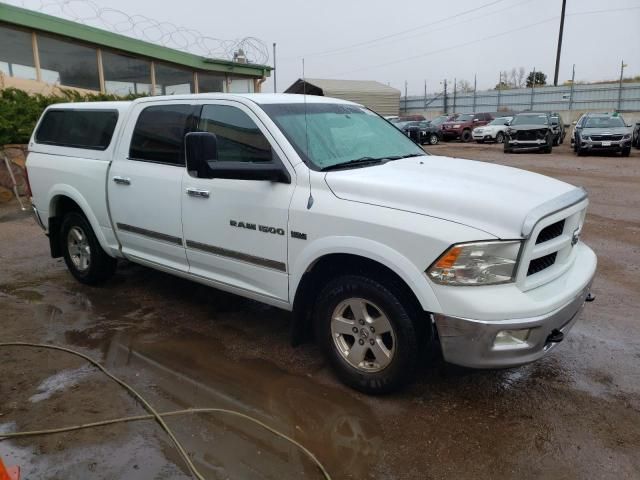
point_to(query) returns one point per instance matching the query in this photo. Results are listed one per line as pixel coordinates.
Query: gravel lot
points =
(573, 415)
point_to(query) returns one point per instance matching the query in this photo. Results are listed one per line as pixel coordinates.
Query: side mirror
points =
(200, 148)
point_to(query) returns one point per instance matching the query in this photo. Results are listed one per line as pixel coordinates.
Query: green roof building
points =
(39, 52)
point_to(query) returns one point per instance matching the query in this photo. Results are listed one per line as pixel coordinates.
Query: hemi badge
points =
(301, 236)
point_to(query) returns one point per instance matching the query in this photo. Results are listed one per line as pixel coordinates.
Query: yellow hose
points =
(153, 414)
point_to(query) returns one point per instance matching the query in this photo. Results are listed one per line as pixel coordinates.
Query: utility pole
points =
(622, 65)
(499, 91)
(555, 77)
(573, 81)
(425, 95)
(474, 91)
(405, 96)
(275, 72)
(533, 87)
(455, 87)
(445, 96)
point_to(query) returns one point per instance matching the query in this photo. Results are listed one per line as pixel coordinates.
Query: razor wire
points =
(145, 28)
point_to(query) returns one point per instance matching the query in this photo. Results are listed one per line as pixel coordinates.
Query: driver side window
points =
(239, 138)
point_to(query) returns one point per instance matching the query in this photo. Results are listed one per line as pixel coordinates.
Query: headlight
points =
(627, 136)
(456, 126)
(478, 263)
(584, 137)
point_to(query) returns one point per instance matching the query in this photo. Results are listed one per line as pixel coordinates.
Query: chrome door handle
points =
(194, 192)
(122, 180)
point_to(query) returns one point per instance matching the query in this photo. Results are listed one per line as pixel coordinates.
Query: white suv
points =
(492, 131)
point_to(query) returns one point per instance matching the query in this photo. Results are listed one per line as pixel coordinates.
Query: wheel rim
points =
(433, 139)
(363, 335)
(79, 249)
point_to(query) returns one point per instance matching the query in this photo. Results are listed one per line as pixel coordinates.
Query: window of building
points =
(68, 64)
(159, 134)
(239, 138)
(241, 85)
(171, 80)
(125, 75)
(16, 54)
(90, 129)
(209, 82)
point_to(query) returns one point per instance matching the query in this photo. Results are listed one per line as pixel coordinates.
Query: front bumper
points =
(527, 144)
(612, 145)
(471, 343)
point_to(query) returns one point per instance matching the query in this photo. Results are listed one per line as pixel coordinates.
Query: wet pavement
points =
(574, 414)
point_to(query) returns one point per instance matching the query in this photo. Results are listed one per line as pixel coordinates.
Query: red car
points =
(463, 124)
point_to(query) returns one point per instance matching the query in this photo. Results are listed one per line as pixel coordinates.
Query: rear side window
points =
(89, 129)
(159, 134)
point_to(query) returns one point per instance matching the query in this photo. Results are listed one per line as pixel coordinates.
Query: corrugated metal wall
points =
(560, 99)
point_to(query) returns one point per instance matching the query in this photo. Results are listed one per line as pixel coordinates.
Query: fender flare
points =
(372, 250)
(65, 190)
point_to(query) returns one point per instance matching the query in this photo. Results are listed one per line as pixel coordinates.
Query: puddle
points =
(61, 381)
(178, 373)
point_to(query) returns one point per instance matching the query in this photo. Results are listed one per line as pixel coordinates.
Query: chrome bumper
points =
(470, 343)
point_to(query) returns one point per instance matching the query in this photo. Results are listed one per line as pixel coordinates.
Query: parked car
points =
(557, 127)
(529, 131)
(422, 132)
(603, 132)
(636, 135)
(463, 124)
(373, 244)
(492, 131)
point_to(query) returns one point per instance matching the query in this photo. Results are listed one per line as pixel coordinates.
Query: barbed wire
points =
(145, 28)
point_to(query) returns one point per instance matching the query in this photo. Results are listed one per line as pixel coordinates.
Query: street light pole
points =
(274, 69)
(622, 65)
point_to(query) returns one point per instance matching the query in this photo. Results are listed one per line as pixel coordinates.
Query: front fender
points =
(372, 250)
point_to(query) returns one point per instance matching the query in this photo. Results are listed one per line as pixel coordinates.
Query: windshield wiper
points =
(357, 161)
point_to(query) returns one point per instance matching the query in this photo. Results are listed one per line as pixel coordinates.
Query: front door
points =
(236, 231)
(145, 185)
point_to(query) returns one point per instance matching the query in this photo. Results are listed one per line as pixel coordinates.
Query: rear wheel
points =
(466, 136)
(366, 330)
(85, 258)
(500, 137)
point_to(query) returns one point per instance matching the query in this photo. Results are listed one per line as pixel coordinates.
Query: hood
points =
(606, 131)
(454, 122)
(492, 198)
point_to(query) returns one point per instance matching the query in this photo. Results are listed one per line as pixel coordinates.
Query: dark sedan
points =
(529, 131)
(422, 132)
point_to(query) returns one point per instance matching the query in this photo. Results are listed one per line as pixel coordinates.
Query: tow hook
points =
(556, 336)
(590, 298)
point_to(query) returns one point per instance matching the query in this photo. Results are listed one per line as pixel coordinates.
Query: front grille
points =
(541, 263)
(549, 233)
(599, 138)
(529, 134)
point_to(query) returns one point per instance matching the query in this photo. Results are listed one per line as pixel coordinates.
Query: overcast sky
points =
(391, 41)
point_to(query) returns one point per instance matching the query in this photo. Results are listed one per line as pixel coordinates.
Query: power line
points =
(489, 37)
(391, 35)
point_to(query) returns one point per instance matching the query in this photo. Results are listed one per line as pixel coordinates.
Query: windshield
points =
(439, 120)
(465, 117)
(500, 121)
(604, 122)
(332, 134)
(530, 120)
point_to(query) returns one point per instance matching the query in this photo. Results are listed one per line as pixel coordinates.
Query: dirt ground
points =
(575, 414)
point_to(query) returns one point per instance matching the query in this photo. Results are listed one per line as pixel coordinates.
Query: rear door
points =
(236, 231)
(145, 184)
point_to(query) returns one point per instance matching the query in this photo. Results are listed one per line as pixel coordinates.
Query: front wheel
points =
(433, 139)
(367, 332)
(626, 152)
(85, 258)
(500, 137)
(466, 136)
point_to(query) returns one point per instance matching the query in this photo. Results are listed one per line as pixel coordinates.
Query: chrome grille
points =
(599, 138)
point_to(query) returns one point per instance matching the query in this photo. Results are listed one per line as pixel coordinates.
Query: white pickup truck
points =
(323, 208)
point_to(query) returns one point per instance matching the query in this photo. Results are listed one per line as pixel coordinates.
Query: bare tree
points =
(465, 86)
(522, 75)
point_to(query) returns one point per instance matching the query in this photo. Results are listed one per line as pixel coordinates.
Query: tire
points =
(388, 326)
(466, 136)
(499, 137)
(556, 142)
(85, 258)
(434, 139)
(626, 152)
(580, 151)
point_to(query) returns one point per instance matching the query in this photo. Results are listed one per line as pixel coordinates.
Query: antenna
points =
(306, 132)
